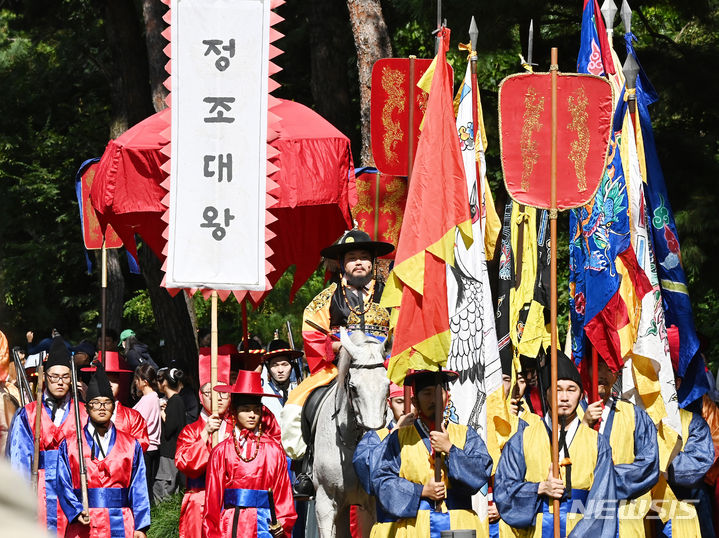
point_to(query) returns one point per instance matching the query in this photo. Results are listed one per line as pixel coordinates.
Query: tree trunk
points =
(171, 316)
(328, 41)
(130, 91)
(152, 11)
(372, 43)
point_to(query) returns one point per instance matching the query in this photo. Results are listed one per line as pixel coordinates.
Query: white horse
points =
(357, 403)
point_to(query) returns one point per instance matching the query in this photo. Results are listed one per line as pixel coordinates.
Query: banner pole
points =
(103, 303)
(554, 68)
(213, 359)
(410, 119)
(410, 163)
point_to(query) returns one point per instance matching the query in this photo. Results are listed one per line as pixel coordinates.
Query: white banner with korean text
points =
(220, 58)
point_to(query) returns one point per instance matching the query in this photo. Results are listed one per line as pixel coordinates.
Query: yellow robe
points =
(415, 466)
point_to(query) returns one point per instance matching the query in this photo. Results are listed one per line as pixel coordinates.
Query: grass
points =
(166, 518)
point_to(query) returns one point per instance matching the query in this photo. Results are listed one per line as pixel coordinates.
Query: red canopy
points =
(316, 187)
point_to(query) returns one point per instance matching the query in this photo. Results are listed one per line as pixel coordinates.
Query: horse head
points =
(362, 379)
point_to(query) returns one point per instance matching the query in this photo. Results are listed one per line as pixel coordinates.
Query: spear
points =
(631, 67)
(38, 427)
(298, 361)
(473, 35)
(23, 384)
(78, 432)
(528, 64)
(626, 14)
(609, 13)
(631, 72)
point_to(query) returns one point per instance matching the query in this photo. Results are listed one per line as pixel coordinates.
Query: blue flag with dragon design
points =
(665, 241)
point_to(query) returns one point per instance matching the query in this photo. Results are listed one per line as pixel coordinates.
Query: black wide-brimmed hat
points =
(357, 240)
(420, 379)
(278, 348)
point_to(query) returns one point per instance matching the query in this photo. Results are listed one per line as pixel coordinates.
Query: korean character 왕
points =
(210, 215)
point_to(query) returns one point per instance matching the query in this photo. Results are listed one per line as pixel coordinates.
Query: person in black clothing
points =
(167, 480)
(191, 401)
(136, 353)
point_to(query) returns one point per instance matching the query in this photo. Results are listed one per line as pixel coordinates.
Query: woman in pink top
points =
(148, 406)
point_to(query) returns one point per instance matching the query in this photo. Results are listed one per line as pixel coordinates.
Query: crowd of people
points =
(239, 453)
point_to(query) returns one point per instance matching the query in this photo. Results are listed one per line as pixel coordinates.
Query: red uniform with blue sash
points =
(117, 487)
(236, 499)
(20, 450)
(191, 459)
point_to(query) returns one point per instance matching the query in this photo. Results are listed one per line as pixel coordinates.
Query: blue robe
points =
(520, 504)
(117, 487)
(686, 471)
(636, 478)
(406, 452)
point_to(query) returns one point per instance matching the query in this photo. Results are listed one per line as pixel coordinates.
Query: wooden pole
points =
(410, 130)
(595, 375)
(38, 426)
(410, 164)
(554, 68)
(438, 415)
(103, 303)
(245, 330)
(213, 360)
(476, 131)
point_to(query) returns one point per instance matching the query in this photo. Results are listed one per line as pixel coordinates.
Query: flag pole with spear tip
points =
(476, 131)
(553, 69)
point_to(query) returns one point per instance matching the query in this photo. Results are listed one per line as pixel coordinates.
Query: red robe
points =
(20, 451)
(232, 481)
(117, 488)
(131, 422)
(191, 459)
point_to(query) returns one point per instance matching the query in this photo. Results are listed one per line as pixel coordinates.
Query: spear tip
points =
(626, 14)
(473, 33)
(631, 71)
(609, 13)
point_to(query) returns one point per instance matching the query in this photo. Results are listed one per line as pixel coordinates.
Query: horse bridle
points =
(350, 402)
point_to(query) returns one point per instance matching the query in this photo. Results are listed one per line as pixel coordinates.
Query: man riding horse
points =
(350, 301)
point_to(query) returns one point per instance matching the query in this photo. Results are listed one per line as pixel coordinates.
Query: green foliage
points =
(53, 115)
(137, 312)
(165, 518)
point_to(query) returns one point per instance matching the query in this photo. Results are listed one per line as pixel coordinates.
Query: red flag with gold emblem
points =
(380, 205)
(437, 204)
(584, 115)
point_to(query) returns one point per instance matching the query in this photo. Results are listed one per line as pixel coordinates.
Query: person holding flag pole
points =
(117, 502)
(423, 495)
(578, 105)
(37, 431)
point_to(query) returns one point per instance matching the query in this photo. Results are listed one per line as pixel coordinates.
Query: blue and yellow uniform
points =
(635, 452)
(525, 462)
(401, 465)
(678, 518)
